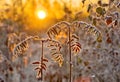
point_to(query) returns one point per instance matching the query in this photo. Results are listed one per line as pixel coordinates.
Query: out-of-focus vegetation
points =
(26, 40)
(24, 12)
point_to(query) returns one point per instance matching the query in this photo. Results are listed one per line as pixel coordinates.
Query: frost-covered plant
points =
(73, 39)
(53, 45)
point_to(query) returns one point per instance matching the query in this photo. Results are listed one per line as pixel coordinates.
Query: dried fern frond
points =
(88, 28)
(40, 65)
(12, 39)
(53, 44)
(76, 24)
(93, 30)
(74, 36)
(75, 45)
(21, 47)
(55, 51)
(57, 57)
(44, 59)
(76, 48)
(57, 28)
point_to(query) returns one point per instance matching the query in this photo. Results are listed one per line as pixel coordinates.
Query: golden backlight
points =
(37, 16)
(41, 14)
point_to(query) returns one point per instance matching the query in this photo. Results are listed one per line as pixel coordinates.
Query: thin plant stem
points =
(70, 55)
(42, 60)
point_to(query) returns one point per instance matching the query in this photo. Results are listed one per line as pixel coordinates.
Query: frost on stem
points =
(56, 56)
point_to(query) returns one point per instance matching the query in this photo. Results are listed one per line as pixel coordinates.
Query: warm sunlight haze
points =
(41, 14)
(59, 40)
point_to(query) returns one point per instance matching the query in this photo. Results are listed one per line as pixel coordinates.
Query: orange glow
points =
(61, 37)
(41, 14)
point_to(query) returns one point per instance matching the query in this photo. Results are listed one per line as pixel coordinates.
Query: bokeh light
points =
(41, 14)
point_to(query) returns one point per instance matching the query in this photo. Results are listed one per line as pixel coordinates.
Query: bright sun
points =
(41, 14)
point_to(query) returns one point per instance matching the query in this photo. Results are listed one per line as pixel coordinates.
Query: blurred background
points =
(96, 62)
(25, 12)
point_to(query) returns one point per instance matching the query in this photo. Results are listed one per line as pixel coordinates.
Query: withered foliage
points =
(88, 29)
(22, 46)
(12, 40)
(57, 28)
(40, 65)
(55, 48)
(75, 45)
(99, 57)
